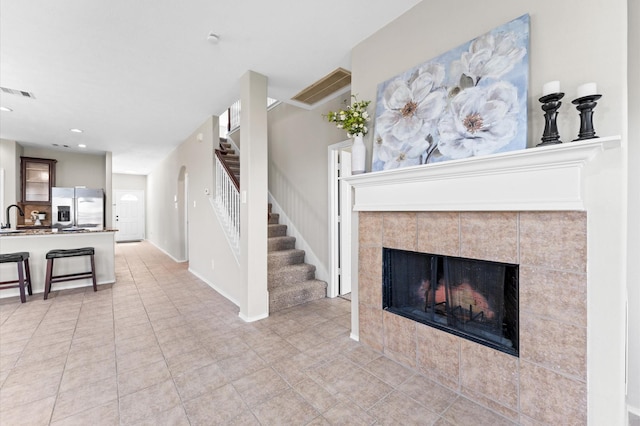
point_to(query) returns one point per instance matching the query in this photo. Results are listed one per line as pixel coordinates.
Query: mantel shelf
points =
(542, 178)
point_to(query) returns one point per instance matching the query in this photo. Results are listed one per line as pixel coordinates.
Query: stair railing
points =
(227, 201)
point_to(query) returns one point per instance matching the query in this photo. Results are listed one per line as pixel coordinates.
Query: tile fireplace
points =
(542, 211)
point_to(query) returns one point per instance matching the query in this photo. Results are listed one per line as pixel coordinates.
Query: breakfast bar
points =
(39, 241)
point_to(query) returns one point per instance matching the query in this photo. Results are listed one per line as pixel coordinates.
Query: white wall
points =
(633, 255)
(209, 255)
(298, 141)
(125, 181)
(574, 41)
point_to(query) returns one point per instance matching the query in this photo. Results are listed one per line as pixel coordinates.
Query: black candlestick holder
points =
(585, 105)
(550, 105)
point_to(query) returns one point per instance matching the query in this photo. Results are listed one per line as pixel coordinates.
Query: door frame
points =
(339, 164)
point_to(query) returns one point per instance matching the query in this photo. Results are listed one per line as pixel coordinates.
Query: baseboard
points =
(167, 253)
(252, 319)
(310, 257)
(215, 287)
(633, 410)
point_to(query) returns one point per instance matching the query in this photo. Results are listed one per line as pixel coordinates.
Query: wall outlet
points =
(213, 264)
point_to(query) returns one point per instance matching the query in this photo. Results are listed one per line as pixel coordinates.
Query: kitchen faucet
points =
(8, 224)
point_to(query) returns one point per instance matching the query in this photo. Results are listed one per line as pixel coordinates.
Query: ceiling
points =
(138, 77)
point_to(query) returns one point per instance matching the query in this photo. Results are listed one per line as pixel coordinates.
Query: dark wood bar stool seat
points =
(24, 273)
(60, 254)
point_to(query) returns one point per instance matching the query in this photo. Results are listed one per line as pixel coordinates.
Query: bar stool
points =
(60, 254)
(24, 273)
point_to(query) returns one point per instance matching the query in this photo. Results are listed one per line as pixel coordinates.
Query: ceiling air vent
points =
(324, 87)
(18, 92)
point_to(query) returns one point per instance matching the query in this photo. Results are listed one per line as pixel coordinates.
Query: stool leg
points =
(47, 282)
(23, 298)
(28, 273)
(93, 274)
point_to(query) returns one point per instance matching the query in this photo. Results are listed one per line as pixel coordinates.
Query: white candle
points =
(551, 87)
(587, 89)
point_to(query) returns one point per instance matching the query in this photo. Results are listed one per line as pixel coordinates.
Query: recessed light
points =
(76, 130)
(81, 145)
(5, 109)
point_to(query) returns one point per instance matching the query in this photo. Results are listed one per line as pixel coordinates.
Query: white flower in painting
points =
(490, 55)
(397, 158)
(481, 120)
(411, 105)
(395, 153)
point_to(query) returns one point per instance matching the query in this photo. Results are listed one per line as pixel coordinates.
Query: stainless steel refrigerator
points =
(77, 208)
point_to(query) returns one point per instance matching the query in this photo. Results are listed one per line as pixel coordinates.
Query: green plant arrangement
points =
(353, 118)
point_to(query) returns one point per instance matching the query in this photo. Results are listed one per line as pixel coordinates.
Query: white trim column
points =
(254, 303)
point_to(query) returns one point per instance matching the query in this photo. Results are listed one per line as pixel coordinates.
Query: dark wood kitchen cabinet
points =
(38, 176)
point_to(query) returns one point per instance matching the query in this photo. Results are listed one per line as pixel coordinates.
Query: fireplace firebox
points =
(471, 298)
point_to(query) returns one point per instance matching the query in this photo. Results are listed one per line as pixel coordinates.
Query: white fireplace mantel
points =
(543, 178)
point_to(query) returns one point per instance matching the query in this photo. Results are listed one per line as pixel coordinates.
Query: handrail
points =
(220, 155)
(227, 203)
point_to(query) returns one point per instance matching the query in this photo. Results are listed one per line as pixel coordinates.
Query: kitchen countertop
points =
(30, 232)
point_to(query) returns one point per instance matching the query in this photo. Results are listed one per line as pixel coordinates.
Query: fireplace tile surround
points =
(548, 382)
(532, 208)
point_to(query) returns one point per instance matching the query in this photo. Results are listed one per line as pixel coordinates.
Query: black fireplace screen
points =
(471, 298)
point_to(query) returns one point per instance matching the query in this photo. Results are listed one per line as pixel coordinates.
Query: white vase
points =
(358, 155)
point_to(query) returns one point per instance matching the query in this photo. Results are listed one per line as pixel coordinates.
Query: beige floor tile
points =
(389, 371)
(31, 414)
(131, 381)
(136, 359)
(463, 412)
(148, 402)
(80, 355)
(216, 407)
(286, 408)
(428, 393)
(398, 407)
(173, 347)
(32, 374)
(103, 415)
(293, 369)
(260, 386)
(175, 416)
(245, 363)
(184, 362)
(225, 347)
(346, 413)
(88, 373)
(315, 395)
(85, 397)
(26, 392)
(196, 382)
(134, 344)
(37, 355)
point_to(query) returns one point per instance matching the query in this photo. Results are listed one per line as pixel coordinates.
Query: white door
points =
(340, 250)
(129, 214)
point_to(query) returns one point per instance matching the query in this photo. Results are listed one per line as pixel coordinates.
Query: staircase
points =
(230, 158)
(290, 281)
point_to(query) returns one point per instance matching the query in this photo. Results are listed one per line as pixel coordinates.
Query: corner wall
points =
(204, 244)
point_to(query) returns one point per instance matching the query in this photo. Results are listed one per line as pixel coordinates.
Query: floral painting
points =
(467, 102)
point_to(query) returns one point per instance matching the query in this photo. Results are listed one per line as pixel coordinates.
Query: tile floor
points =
(160, 347)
